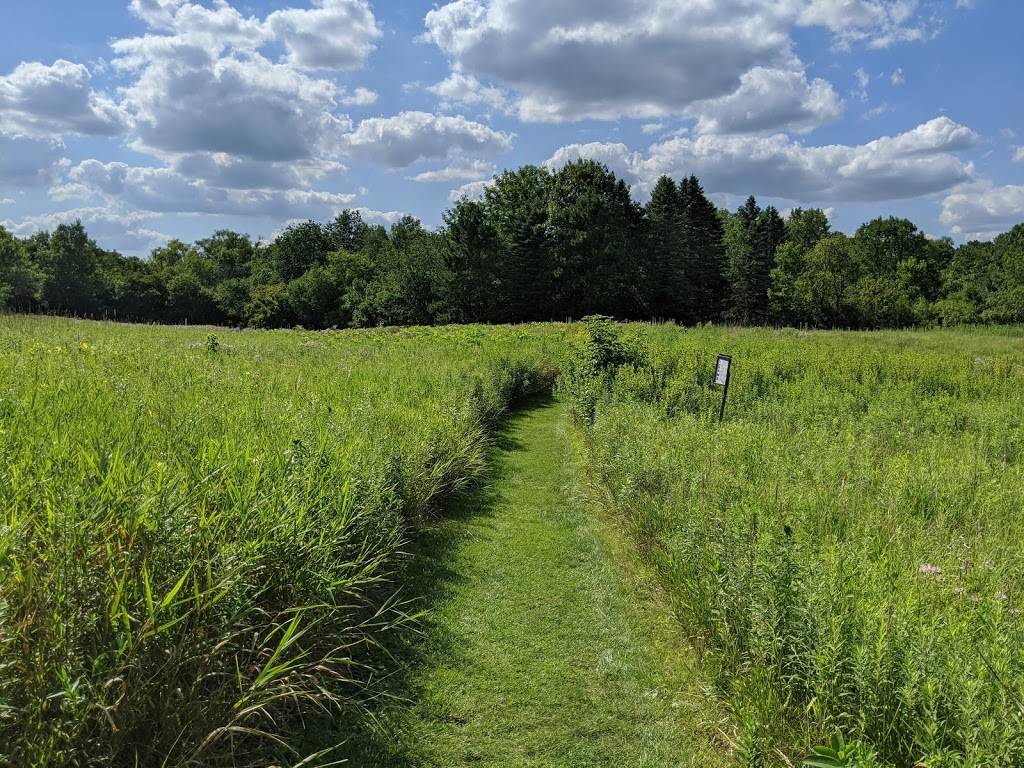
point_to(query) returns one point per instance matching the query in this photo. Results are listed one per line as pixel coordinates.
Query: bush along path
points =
(545, 644)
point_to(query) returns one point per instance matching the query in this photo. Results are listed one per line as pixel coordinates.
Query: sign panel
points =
(722, 371)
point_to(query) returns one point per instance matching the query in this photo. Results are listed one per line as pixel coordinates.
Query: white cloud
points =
(897, 77)
(1018, 155)
(981, 210)
(7, 201)
(163, 190)
(564, 60)
(474, 190)
(404, 139)
(26, 161)
(379, 217)
(360, 97)
(649, 128)
(334, 34)
(863, 79)
(247, 107)
(54, 100)
(458, 171)
(466, 90)
(911, 164)
(126, 231)
(768, 99)
(878, 23)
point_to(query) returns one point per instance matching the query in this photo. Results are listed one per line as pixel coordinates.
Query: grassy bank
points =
(199, 527)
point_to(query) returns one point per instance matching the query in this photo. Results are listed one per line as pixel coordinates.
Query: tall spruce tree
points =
(743, 281)
(704, 244)
(667, 286)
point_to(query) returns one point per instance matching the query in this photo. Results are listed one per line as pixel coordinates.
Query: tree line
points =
(539, 245)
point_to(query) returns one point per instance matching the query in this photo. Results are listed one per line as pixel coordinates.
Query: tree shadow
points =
(381, 738)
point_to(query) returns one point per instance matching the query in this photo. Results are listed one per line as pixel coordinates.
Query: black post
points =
(725, 389)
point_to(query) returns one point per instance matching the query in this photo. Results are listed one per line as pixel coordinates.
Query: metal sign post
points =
(723, 371)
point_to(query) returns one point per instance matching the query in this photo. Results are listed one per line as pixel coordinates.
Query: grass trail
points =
(546, 645)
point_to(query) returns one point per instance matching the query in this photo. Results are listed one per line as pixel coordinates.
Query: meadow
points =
(199, 528)
(204, 536)
(844, 548)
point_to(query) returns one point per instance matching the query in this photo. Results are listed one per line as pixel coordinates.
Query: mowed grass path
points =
(546, 644)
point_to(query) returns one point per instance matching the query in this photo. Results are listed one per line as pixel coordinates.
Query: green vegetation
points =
(199, 529)
(287, 547)
(538, 652)
(540, 245)
(843, 546)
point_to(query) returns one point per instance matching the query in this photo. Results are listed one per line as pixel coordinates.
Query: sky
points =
(158, 119)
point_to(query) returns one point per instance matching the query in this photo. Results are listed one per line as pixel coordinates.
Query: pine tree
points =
(704, 243)
(664, 259)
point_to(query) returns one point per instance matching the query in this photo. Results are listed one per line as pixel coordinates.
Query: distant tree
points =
(231, 252)
(21, 281)
(314, 298)
(706, 252)
(299, 247)
(593, 225)
(669, 288)
(821, 293)
(346, 232)
(745, 267)
(517, 209)
(804, 230)
(1006, 303)
(70, 260)
(471, 256)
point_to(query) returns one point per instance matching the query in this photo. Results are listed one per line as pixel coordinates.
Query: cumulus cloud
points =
(26, 161)
(981, 210)
(474, 190)
(768, 99)
(466, 90)
(408, 137)
(163, 190)
(910, 164)
(247, 107)
(878, 23)
(334, 34)
(54, 100)
(565, 60)
(360, 97)
(1018, 155)
(458, 171)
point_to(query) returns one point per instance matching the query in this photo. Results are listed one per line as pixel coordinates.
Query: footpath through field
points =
(546, 644)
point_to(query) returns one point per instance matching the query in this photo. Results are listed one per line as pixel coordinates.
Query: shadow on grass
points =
(386, 737)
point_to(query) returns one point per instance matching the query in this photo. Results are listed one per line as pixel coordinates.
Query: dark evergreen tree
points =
(667, 288)
(704, 247)
(517, 210)
(593, 226)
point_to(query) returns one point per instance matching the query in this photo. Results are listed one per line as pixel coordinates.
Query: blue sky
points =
(151, 119)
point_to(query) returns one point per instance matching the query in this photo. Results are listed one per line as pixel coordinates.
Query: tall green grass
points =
(846, 546)
(198, 528)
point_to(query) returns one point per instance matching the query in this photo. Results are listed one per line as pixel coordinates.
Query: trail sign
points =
(723, 370)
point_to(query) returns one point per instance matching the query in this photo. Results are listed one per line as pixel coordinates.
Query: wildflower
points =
(929, 570)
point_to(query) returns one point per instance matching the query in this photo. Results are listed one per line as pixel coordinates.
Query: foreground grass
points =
(842, 549)
(199, 533)
(538, 651)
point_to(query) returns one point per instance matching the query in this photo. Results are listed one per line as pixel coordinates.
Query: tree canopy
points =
(539, 245)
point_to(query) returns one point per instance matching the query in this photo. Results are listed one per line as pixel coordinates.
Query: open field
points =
(845, 547)
(239, 548)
